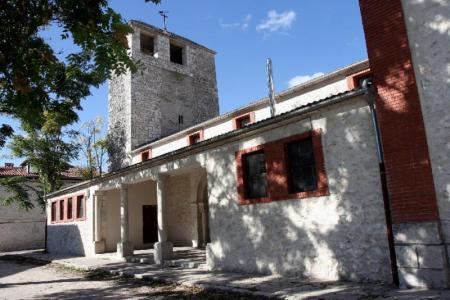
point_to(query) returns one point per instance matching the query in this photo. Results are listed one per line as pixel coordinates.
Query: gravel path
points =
(23, 280)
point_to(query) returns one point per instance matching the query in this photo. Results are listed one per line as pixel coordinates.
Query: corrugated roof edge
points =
(308, 108)
(170, 34)
(353, 68)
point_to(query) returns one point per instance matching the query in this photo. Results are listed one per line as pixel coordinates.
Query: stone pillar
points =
(124, 247)
(99, 243)
(163, 248)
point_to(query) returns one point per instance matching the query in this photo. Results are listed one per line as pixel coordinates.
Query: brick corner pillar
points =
(421, 255)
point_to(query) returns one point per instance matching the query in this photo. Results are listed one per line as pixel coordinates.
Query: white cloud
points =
(243, 25)
(277, 21)
(303, 78)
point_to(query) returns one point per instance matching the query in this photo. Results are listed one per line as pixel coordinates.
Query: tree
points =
(46, 150)
(33, 80)
(94, 147)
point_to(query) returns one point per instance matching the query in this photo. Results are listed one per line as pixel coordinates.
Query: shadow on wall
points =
(64, 239)
(116, 147)
(341, 236)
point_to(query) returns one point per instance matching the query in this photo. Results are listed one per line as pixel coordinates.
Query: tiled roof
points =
(71, 173)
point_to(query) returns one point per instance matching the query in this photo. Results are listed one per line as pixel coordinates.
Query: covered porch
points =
(158, 219)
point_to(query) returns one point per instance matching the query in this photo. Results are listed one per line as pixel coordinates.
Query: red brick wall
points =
(410, 181)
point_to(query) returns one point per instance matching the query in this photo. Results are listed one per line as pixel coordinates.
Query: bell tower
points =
(174, 88)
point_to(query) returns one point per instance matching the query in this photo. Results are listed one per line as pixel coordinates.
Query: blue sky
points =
(303, 38)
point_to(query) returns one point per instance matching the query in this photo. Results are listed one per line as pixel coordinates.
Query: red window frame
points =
(53, 212)
(277, 170)
(80, 202)
(191, 138)
(237, 122)
(353, 80)
(146, 155)
(58, 216)
(69, 209)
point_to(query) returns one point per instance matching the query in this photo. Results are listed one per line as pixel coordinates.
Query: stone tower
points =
(174, 88)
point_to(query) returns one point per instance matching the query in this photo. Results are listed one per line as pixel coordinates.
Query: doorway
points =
(150, 224)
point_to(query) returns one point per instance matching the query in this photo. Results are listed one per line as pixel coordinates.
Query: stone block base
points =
(210, 264)
(421, 257)
(124, 249)
(163, 251)
(99, 247)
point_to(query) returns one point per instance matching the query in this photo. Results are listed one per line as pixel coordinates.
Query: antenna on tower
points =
(165, 16)
(271, 88)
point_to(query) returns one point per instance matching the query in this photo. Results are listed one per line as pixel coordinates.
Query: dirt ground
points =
(25, 280)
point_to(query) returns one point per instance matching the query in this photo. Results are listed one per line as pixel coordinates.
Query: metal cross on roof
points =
(165, 16)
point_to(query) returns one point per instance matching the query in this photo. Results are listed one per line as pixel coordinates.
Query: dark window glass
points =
(361, 79)
(147, 44)
(54, 211)
(301, 165)
(61, 210)
(255, 175)
(145, 156)
(69, 208)
(80, 207)
(242, 122)
(194, 139)
(176, 54)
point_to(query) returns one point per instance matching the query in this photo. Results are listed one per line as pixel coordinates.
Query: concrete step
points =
(184, 264)
(140, 260)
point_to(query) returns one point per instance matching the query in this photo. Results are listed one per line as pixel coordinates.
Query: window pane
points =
(53, 211)
(243, 122)
(147, 44)
(69, 208)
(302, 170)
(61, 210)
(176, 54)
(80, 207)
(256, 179)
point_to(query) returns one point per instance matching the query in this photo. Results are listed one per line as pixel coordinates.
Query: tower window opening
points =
(180, 119)
(176, 54)
(147, 44)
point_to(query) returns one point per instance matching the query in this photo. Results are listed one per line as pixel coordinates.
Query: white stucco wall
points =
(74, 237)
(428, 26)
(337, 236)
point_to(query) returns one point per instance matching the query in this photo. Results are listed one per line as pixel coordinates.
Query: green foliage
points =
(33, 79)
(46, 150)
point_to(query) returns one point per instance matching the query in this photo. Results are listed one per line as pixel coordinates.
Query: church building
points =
(346, 177)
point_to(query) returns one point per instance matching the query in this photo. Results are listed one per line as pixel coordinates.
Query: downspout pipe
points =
(370, 97)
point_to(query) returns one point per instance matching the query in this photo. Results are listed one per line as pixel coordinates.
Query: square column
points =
(124, 247)
(99, 242)
(163, 248)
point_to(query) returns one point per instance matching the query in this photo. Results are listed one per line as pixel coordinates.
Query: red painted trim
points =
(65, 200)
(277, 170)
(237, 120)
(190, 137)
(146, 155)
(352, 80)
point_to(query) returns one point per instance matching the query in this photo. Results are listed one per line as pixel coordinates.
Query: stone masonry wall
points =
(160, 91)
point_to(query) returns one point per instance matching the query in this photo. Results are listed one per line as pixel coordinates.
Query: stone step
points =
(184, 264)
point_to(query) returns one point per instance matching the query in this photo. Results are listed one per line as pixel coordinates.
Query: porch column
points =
(99, 243)
(124, 247)
(163, 248)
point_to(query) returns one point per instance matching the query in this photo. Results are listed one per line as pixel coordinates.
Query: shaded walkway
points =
(270, 286)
